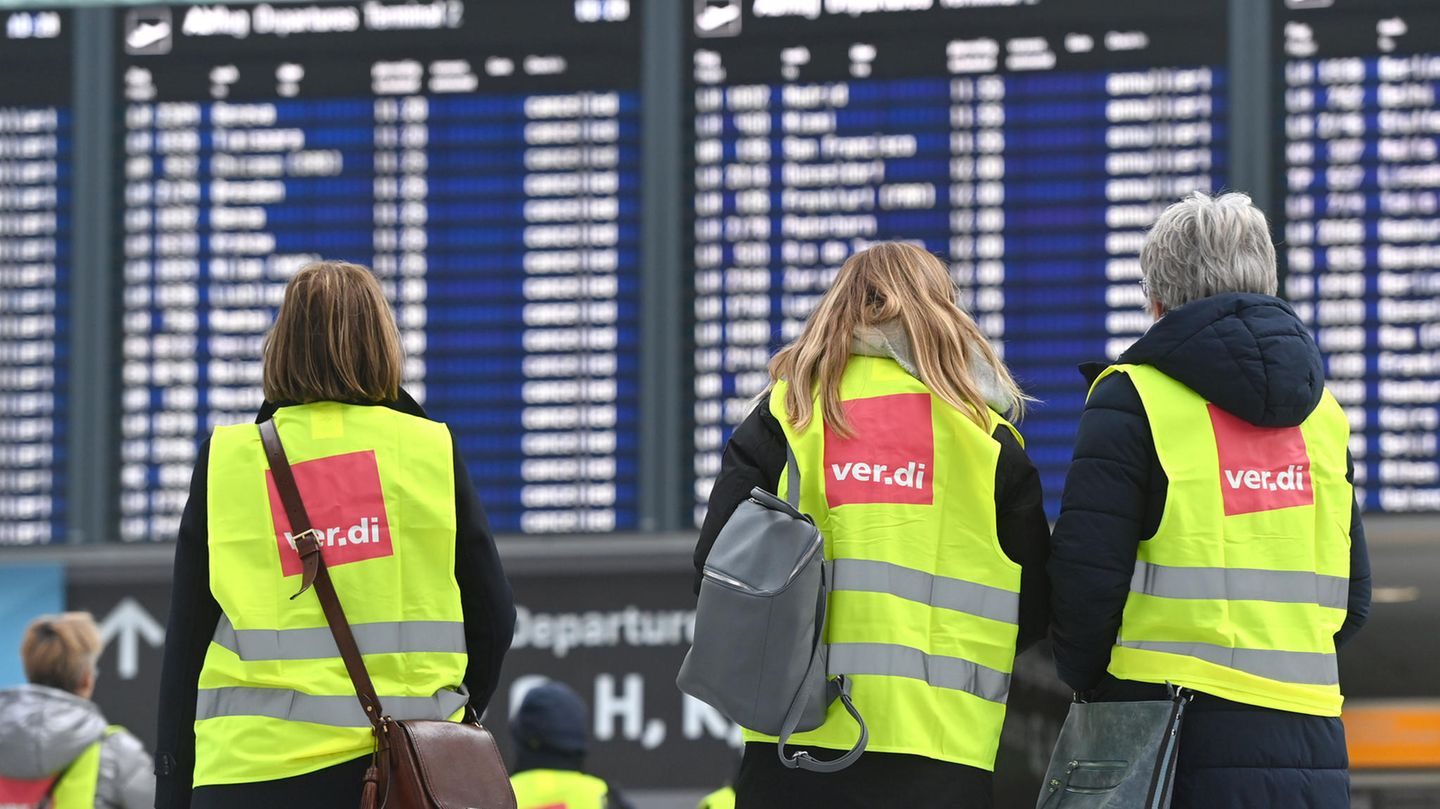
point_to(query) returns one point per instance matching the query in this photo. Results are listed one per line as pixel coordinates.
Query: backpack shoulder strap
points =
(836, 688)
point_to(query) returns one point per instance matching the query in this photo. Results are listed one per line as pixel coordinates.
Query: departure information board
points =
(1029, 146)
(481, 157)
(1361, 160)
(35, 197)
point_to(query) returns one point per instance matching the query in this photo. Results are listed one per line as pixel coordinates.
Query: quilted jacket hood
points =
(1248, 354)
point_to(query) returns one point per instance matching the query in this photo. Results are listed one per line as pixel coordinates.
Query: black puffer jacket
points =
(1251, 356)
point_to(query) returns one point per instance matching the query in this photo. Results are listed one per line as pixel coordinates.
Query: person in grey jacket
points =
(53, 740)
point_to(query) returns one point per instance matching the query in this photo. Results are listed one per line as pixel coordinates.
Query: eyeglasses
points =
(1145, 288)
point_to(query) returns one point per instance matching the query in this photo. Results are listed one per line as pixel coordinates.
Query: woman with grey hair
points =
(1208, 534)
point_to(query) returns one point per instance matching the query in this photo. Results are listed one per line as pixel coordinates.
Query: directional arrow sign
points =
(130, 622)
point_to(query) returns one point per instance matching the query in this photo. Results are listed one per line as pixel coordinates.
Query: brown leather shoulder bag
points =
(418, 764)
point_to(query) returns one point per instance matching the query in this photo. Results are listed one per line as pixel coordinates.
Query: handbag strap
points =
(307, 544)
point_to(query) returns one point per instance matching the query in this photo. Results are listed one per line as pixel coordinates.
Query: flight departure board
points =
(481, 157)
(1028, 145)
(35, 195)
(1361, 185)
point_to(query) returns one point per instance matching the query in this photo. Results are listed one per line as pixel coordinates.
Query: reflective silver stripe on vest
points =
(892, 660)
(394, 637)
(337, 711)
(866, 576)
(1299, 668)
(1240, 584)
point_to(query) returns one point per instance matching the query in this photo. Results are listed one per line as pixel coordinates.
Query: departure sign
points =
(481, 157)
(1362, 227)
(35, 197)
(1029, 146)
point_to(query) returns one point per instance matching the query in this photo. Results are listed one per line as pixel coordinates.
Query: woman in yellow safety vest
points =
(894, 405)
(56, 749)
(256, 706)
(1209, 535)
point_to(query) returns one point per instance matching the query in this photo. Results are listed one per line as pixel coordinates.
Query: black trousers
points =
(336, 787)
(875, 780)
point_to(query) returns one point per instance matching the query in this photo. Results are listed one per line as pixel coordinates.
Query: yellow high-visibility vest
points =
(722, 798)
(379, 485)
(77, 786)
(558, 789)
(925, 608)
(1241, 590)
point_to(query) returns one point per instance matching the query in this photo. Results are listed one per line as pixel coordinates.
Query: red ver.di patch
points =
(346, 506)
(1261, 468)
(890, 456)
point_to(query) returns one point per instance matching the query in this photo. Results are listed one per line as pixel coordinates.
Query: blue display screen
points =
(1029, 148)
(1360, 177)
(35, 225)
(482, 159)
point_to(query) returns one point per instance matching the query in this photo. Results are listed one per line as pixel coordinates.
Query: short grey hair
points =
(1203, 246)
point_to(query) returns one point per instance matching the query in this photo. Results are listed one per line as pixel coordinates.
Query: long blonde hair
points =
(890, 281)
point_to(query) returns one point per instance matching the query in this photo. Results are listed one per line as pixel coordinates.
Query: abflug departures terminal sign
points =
(1361, 184)
(35, 210)
(1029, 146)
(481, 157)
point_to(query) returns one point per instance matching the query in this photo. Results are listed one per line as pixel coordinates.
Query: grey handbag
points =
(758, 655)
(1115, 755)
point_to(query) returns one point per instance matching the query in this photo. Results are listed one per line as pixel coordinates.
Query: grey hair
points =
(1203, 246)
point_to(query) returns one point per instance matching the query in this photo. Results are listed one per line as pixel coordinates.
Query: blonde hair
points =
(334, 339)
(60, 651)
(890, 281)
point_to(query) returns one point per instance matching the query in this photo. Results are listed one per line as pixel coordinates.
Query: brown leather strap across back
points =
(300, 527)
(316, 573)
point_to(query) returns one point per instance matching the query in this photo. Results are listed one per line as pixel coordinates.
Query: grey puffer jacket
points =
(43, 729)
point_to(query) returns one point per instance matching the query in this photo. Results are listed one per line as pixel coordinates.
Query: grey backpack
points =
(759, 656)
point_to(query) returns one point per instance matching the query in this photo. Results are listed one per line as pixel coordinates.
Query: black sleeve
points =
(1024, 534)
(615, 800)
(1358, 609)
(754, 457)
(194, 614)
(1103, 518)
(485, 597)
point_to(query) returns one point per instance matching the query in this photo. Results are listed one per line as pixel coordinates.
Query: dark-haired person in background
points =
(1208, 533)
(551, 742)
(256, 706)
(55, 745)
